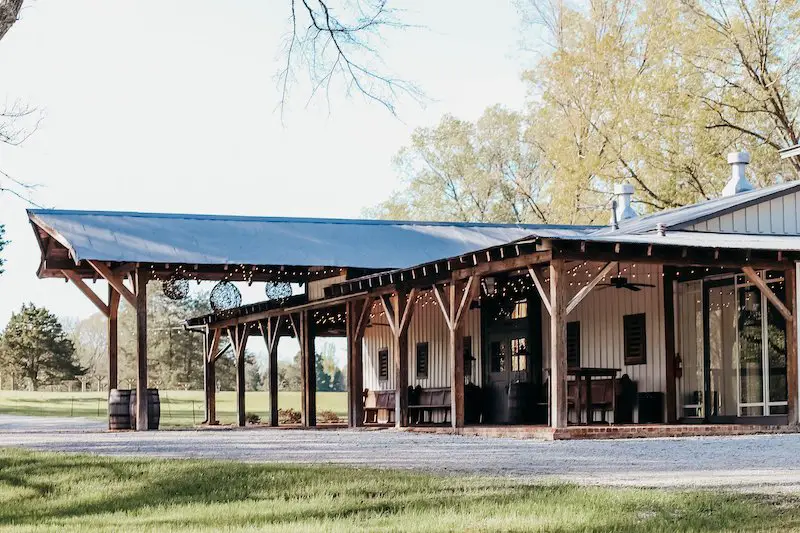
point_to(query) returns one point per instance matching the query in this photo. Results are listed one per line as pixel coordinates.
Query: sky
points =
(173, 107)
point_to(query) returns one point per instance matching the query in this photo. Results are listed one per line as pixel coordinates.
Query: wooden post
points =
(455, 306)
(398, 309)
(140, 282)
(270, 330)
(210, 377)
(558, 346)
(308, 369)
(357, 318)
(273, 382)
(239, 338)
(669, 343)
(790, 281)
(113, 313)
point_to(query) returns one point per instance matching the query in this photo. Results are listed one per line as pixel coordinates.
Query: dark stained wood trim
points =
(140, 282)
(113, 337)
(790, 282)
(669, 344)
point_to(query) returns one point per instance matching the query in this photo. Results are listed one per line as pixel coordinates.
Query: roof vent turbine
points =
(738, 182)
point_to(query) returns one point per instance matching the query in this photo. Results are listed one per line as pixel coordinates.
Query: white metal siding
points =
(316, 288)
(427, 325)
(778, 216)
(600, 315)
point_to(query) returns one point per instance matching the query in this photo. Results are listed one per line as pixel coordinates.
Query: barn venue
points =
(673, 323)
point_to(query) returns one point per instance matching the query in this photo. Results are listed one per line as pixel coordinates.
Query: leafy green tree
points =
(651, 92)
(34, 346)
(289, 375)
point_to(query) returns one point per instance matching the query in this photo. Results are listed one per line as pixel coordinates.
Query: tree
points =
(9, 11)
(2, 245)
(337, 41)
(36, 347)
(654, 93)
(289, 378)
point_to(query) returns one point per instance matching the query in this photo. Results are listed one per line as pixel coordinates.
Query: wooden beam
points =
(456, 353)
(115, 281)
(88, 292)
(503, 265)
(792, 382)
(584, 292)
(308, 370)
(468, 295)
(558, 345)
(540, 289)
(113, 336)
(444, 306)
(762, 285)
(140, 304)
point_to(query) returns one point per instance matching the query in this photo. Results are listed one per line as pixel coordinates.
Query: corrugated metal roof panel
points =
(211, 239)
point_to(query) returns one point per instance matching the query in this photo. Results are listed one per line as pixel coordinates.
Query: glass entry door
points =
(732, 347)
(509, 377)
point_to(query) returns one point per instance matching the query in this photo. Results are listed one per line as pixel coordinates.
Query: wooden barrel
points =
(119, 412)
(153, 409)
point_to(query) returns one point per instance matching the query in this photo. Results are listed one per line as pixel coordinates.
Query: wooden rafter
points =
(87, 291)
(114, 280)
(537, 281)
(269, 330)
(584, 292)
(762, 285)
(453, 306)
(214, 346)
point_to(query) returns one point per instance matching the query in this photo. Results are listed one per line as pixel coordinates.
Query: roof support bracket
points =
(762, 285)
(584, 292)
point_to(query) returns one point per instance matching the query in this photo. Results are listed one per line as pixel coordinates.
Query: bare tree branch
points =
(339, 45)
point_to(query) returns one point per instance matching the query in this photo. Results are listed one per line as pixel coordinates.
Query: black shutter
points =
(635, 339)
(383, 365)
(422, 360)
(573, 344)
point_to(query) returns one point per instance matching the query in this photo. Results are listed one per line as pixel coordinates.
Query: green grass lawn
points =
(60, 492)
(178, 408)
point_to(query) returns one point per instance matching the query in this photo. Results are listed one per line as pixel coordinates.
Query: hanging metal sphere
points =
(278, 290)
(175, 288)
(225, 295)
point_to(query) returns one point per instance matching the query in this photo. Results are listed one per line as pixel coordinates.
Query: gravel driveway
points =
(765, 462)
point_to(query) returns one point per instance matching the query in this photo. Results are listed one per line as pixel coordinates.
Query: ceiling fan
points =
(621, 282)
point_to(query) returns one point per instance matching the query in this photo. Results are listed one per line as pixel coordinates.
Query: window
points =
(573, 344)
(383, 365)
(422, 360)
(519, 355)
(635, 339)
(520, 310)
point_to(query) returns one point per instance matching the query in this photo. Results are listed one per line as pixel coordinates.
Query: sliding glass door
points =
(732, 344)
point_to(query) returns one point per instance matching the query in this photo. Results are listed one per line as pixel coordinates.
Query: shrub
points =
(288, 416)
(328, 417)
(252, 418)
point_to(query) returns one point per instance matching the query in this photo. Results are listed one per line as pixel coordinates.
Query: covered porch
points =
(508, 339)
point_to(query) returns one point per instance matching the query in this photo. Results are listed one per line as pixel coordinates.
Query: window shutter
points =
(383, 365)
(573, 344)
(422, 360)
(635, 339)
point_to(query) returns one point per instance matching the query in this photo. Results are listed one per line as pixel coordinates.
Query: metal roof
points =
(686, 215)
(702, 239)
(212, 239)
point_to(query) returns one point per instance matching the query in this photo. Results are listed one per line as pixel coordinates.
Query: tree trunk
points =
(9, 10)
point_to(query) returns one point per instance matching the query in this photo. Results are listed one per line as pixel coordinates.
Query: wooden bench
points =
(376, 401)
(422, 401)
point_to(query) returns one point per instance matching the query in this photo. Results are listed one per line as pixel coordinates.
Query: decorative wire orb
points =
(225, 295)
(278, 290)
(175, 288)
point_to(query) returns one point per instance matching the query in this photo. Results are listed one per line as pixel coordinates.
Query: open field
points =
(46, 492)
(178, 408)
